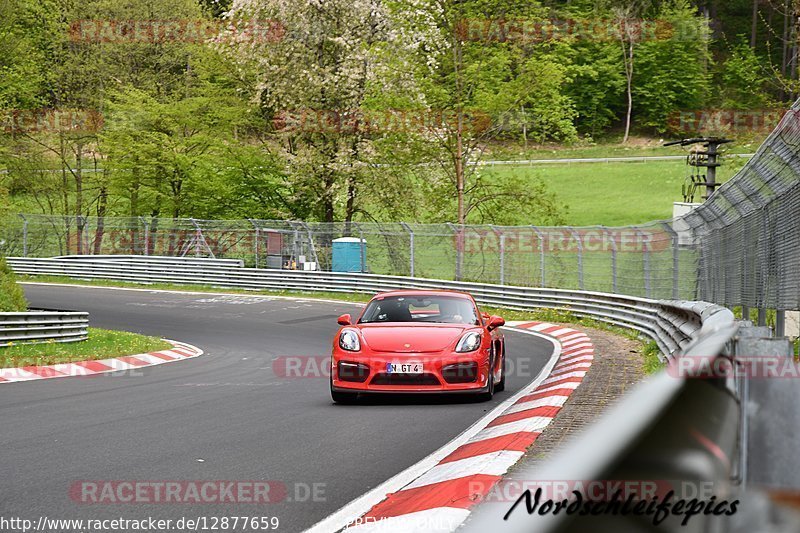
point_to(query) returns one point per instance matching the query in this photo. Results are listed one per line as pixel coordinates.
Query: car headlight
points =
(469, 342)
(348, 340)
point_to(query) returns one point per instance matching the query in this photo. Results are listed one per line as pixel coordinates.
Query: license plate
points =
(404, 368)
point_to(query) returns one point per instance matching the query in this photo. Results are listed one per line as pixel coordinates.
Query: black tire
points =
(344, 397)
(486, 396)
(501, 385)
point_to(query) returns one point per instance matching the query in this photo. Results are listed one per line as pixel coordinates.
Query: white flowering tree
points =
(316, 65)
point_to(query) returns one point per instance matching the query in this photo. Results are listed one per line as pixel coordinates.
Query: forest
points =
(355, 110)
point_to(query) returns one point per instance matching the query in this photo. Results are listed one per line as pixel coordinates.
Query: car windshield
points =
(431, 308)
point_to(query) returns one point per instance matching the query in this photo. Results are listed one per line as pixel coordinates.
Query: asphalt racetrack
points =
(227, 415)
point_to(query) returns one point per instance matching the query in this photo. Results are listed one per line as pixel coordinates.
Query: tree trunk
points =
(65, 193)
(459, 157)
(78, 174)
(754, 26)
(102, 205)
(628, 58)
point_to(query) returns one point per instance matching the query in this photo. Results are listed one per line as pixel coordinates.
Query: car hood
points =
(416, 339)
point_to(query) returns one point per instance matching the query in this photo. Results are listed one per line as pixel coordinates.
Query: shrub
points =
(12, 298)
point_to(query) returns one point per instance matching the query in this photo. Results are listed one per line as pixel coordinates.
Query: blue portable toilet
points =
(348, 253)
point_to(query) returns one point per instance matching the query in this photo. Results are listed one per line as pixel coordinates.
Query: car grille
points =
(384, 378)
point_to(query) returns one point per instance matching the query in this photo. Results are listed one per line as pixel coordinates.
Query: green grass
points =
(651, 353)
(102, 344)
(614, 194)
(637, 148)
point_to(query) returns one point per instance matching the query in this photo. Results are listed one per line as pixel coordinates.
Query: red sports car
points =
(418, 341)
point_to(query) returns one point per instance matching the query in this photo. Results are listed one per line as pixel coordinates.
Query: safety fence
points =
(653, 260)
(670, 323)
(43, 326)
(740, 248)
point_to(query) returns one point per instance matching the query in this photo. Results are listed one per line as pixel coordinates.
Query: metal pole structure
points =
(502, 239)
(646, 262)
(197, 236)
(541, 252)
(780, 323)
(614, 286)
(411, 247)
(459, 248)
(762, 316)
(580, 255)
(24, 235)
(361, 246)
(146, 235)
(258, 238)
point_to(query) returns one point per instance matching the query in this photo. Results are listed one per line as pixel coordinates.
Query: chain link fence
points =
(741, 248)
(748, 233)
(649, 260)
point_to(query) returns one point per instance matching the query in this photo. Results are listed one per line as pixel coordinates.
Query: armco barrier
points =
(671, 324)
(681, 432)
(143, 259)
(43, 326)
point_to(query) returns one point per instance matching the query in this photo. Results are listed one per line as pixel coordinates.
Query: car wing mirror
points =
(495, 322)
(344, 320)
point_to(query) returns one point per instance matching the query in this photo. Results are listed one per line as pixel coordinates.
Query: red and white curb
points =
(437, 494)
(179, 352)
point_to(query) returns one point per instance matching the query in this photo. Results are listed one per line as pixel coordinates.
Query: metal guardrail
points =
(139, 259)
(671, 324)
(43, 326)
(672, 427)
(679, 431)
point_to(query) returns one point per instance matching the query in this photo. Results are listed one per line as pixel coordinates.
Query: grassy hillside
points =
(615, 194)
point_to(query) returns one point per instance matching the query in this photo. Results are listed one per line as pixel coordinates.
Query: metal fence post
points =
(613, 258)
(645, 262)
(459, 235)
(501, 236)
(361, 247)
(780, 323)
(24, 236)
(146, 235)
(411, 247)
(258, 238)
(541, 252)
(580, 255)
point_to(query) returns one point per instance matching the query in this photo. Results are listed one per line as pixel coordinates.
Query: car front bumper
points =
(432, 380)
